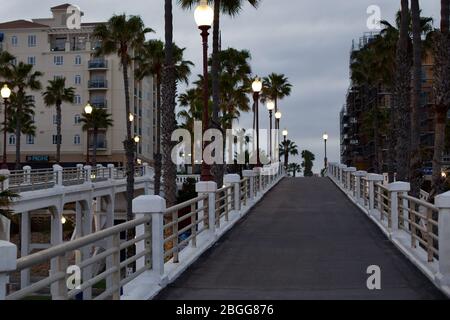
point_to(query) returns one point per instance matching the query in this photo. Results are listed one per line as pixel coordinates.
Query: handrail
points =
(41, 256)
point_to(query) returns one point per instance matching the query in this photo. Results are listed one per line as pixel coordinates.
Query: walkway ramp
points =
(304, 240)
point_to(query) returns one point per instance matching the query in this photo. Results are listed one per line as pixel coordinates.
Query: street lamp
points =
(5, 93)
(137, 139)
(204, 17)
(325, 139)
(131, 117)
(285, 134)
(270, 107)
(257, 87)
(88, 109)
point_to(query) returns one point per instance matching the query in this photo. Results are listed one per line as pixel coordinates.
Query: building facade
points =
(359, 148)
(58, 51)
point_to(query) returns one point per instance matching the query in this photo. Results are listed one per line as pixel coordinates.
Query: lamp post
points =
(5, 93)
(204, 17)
(88, 111)
(270, 107)
(285, 134)
(325, 139)
(257, 87)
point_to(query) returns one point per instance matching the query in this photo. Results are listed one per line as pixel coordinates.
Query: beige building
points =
(58, 51)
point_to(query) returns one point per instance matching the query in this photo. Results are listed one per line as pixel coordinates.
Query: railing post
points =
(341, 174)
(111, 171)
(88, 172)
(80, 171)
(209, 188)
(27, 175)
(373, 180)
(442, 202)
(8, 263)
(347, 172)
(251, 176)
(234, 180)
(259, 174)
(358, 177)
(5, 173)
(395, 189)
(58, 175)
(156, 207)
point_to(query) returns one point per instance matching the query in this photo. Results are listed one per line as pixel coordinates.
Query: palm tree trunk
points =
(441, 88)
(129, 143)
(168, 108)
(58, 132)
(416, 161)
(402, 92)
(158, 157)
(94, 156)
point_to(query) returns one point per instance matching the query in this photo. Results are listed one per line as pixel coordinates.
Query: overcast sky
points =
(307, 40)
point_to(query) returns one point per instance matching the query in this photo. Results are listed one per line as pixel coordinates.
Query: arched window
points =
(12, 139)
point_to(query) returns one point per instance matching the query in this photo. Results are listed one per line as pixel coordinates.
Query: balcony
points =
(97, 64)
(100, 84)
(101, 145)
(101, 104)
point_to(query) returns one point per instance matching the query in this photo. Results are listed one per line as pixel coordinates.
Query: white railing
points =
(41, 179)
(165, 242)
(420, 229)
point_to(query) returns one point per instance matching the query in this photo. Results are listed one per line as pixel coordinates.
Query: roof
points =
(61, 7)
(21, 24)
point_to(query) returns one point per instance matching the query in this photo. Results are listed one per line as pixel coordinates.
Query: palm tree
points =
(415, 155)
(5, 62)
(288, 148)
(308, 161)
(123, 36)
(151, 61)
(294, 168)
(168, 92)
(98, 119)
(234, 77)
(23, 77)
(26, 116)
(276, 87)
(55, 95)
(441, 90)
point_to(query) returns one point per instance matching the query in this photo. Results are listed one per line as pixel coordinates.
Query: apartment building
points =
(58, 51)
(360, 149)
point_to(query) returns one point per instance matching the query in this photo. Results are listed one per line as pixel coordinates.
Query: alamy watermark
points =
(74, 278)
(235, 146)
(374, 280)
(73, 20)
(374, 19)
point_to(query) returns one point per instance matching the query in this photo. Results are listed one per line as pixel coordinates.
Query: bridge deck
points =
(304, 240)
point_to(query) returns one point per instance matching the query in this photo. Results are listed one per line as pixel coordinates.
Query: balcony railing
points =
(99, 104)
(98, 84)
(98, 64)
(100, 145)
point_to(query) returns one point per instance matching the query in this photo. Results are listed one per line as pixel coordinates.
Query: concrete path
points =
(304, 240)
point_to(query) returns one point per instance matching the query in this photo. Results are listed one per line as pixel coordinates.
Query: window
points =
(77, 79)
(12, 139)
(14, 41)
(32, 41)
(14, 61)
(77, 119)
(31, 60)
(77, 99)
(55, 139)
(30, 139)
(58, 60)
(56, 77)
(78, 60)
(77, 139)
(55, 119)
